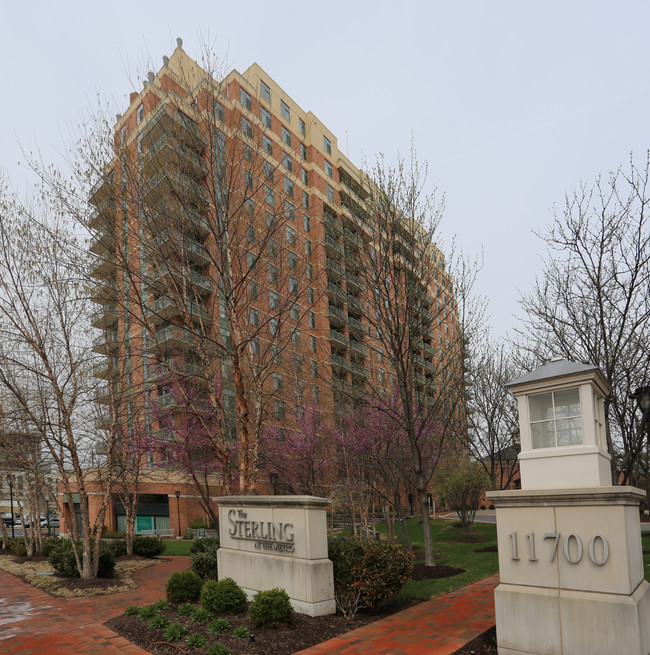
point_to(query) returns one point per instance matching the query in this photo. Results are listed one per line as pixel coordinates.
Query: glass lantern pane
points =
(543, 434)
(567, 403)
(569, 431)
(541, 407)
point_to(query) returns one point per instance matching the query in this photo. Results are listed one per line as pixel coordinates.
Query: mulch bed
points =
(422, 572)
(484, 644)
(487, 549)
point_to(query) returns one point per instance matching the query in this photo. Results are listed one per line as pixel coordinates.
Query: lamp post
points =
(10, 481)
(642, 397)
(178, 510)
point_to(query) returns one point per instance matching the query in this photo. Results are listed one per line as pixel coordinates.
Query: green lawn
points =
(645, 542)
(452, 553)
(177, 547)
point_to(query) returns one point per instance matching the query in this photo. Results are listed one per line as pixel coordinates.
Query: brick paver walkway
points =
(31, 621)
(435, 627)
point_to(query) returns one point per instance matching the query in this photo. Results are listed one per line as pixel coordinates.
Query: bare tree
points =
(591, 304)
(414, 320)
(45, 360)
(492, 414)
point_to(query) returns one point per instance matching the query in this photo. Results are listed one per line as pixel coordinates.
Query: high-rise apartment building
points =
(233, 242)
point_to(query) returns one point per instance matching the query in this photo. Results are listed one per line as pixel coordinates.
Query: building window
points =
(272, 248)
(277, 354)
(304, 177)
(139, 114)
(314, 369)
(310, 295)
(308, 247)
(288, 186)
(286, 135)
(292, 259)
(254, 318)
(312, 320)
(380, 355)
(245, 99)
(294, 311)
(315, 394)
(267, 144)
(305, 200)
(295, 336)
(246, 127)
(293, 285)
(327, 144)
(250, 206)
(291, 235)
(249, 179)
(252, 289)
(269, 196)
(287, 162)
(329, 192)
(270, 218)
(218, 111)
(301, 125)
(250, 233)
(266, 117)
(279, 410)
(255, 346)
(328, 168)
(310, 271)
(274, 326)
(312, 343)
(277, 381)
(248, 153)
(273, 273)
(382, 375)
(285, 111)
(122, 133)
(289, 210)
(555, 419)
(252, 261)
(265, 91)
(274, 300)
(268, 171)
(297, 362)
(307, 223)
(303, 152)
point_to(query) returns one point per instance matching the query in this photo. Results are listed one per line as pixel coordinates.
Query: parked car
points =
(54, 522)
(8, 520)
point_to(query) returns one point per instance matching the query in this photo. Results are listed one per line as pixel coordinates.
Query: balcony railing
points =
(358, 350)
(337, 316)
(333, 247)
(339, 340)
(105, 343)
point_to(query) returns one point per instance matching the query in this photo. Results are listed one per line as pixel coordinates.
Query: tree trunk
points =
(429, 559)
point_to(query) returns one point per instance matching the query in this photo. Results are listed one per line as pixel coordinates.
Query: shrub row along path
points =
(32, 621)
(435, 627)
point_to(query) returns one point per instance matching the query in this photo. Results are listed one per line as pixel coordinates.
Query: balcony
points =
(102, 193)
(334, 270)
(352, 261)
(173, 337)
(103, 394)
(102, 242)
(170, 183)
(104, 266)
(102, 217)
(167, 278)
(171, 242)
(103, 371)
(338, 340)
(360, 372)
(106, 343)
(104, 318)
(352, 239)
(335, 293)
(168, 152)
(357, 328)
(160, 372)
(106, 293)
(354, 283)
(344, 391)
(333, 248)
(168, 121)
(165, 308)
(358, 350)
(173, 212)
(356, 306)
(338, 318)
(103, 420)
(332, 224)
(429, 351)
(340, 364)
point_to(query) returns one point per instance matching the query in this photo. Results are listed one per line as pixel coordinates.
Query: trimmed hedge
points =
(183, 586)
(367, 573)
(62, 560)
(223, 596)
(148, 546)
(270, 608)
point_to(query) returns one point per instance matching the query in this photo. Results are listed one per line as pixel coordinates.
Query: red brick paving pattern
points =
(31, 621)
(435, 627)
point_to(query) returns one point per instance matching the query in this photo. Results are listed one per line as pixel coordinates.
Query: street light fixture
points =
(10, 481)
(178, 510)
(642, 397)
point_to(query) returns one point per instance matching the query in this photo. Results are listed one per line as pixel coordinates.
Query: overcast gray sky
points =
(511, 103)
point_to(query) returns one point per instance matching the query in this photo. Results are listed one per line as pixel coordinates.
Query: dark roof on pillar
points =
(556, 368)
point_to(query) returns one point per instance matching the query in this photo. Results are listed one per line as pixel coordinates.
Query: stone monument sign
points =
(278, 541)
(570, 557)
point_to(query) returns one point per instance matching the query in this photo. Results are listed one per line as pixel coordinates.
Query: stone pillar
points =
(570, 555)
(278, 541)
